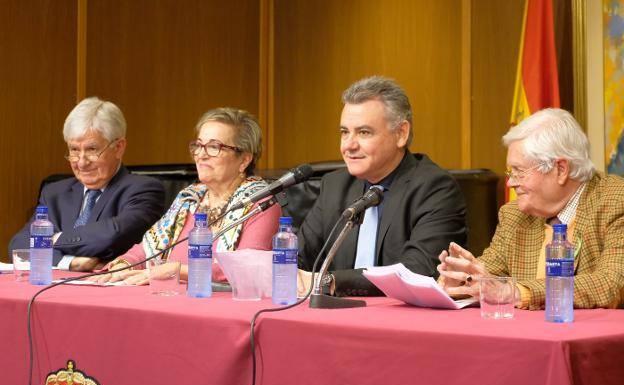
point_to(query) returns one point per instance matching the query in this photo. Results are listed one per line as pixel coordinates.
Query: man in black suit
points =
(422, 208)
(101, 212)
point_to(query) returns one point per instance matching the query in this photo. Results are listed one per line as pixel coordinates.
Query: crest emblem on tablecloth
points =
(70, 376)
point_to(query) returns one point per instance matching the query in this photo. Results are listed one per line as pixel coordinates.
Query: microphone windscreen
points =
(302, 173)
(377, 195)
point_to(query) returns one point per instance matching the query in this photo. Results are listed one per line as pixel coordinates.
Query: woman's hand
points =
(460, 271)
(128, 277)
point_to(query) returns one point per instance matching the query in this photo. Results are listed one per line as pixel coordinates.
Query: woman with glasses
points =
(226, 151)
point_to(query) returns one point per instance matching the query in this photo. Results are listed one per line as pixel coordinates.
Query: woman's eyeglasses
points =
(212, 148)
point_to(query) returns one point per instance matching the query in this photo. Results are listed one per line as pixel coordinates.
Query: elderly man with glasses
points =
(555, 182)
(103, 210)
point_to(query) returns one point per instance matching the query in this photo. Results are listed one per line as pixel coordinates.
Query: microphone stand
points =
(260, 208)
(318, 300)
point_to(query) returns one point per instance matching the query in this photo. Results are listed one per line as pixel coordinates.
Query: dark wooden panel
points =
(166, 62)
(323, 46)
(37, 74)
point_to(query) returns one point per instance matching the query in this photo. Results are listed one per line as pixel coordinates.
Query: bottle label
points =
(560, 267)
(40, 242)
(284, 256)
(200, 251)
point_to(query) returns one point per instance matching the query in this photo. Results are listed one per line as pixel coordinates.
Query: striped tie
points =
(91, 197)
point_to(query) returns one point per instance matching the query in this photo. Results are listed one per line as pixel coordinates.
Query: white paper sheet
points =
(397, 281)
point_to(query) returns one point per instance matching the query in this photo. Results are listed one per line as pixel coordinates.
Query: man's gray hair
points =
(97, 115)
(387, 91)
(552, 134)
(247, 132)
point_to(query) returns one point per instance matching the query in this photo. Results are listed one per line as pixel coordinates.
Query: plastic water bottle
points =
(559, 277)
(200, 259)
(41, 231)
(285, 248)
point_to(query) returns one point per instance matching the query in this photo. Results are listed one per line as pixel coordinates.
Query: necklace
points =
(215, 212)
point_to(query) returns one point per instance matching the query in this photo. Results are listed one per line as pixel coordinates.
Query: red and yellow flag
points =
(537, 79)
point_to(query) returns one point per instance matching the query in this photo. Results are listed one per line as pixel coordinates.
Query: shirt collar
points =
(387, 181)
(569, 211)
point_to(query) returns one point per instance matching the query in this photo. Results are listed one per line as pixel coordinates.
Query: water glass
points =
(246, 282)
(164, 277)
(497, 297)
(21, 264)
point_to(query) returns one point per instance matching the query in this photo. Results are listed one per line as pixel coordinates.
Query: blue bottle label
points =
(560, 267)
(200, 251)
(40, 242)
(284, 256)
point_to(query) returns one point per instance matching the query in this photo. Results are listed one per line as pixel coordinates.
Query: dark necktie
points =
(91, 197)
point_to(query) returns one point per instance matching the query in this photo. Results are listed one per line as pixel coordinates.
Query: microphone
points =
(292, 177)
(371, 198)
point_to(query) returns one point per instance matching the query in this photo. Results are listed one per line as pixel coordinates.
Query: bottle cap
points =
(285, 221)
(42, 209)
(560, 228)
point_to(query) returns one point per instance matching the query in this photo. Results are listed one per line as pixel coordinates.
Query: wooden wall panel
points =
(37, 74)
(323, 46)
(496, 28)
(166, 62)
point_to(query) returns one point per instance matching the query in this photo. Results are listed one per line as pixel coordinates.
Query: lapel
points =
(109, 191)
(349, 244)
(72, 203)
(397, 189)
(529, 234)
(581, 219)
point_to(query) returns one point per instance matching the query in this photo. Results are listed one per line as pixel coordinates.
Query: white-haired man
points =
(103, 210)
(555, 181)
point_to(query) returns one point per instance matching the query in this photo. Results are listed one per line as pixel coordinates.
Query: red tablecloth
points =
(123, 335)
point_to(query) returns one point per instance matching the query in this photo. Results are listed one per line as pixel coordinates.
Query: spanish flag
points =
(537, 79)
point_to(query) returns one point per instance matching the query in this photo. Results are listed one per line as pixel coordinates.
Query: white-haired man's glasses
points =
(519, 175)
(90, 154)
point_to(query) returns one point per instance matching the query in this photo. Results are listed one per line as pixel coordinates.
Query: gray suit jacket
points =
(129, 205)
(423, 211)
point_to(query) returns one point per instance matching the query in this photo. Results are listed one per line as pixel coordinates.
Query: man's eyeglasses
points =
(519, 175)
(212, 148)
(90, 154)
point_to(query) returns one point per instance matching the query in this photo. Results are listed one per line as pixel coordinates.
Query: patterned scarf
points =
(167, 230)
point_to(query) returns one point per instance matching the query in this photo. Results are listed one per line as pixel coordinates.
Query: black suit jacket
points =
(129, 205)
(423, 211)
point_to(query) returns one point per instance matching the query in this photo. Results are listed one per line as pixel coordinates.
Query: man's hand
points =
(85, 264)
(460, 271)
(303, 282)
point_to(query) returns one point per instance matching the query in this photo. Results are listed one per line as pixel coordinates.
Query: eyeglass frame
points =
(519, 175)
(90, 157)
(214, 143)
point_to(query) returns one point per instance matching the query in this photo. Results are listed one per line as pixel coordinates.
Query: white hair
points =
(97, 115)
(552, 134)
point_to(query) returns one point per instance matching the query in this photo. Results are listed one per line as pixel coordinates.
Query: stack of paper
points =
(397, 281)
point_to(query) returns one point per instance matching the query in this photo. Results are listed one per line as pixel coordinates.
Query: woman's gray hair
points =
(388, 92)
(247, 133)
(97, 115)
(552, 134)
